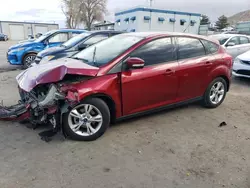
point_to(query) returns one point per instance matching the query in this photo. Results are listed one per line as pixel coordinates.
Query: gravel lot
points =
(181, 148)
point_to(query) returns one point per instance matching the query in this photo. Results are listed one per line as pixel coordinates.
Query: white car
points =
(241, 66)
(234, 44)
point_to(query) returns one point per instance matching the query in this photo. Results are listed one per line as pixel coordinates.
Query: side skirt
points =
(159, 109)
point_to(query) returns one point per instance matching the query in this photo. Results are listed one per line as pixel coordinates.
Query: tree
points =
(70, 8)
(92, 10)
(222, 22)
(83, 11)
(205, 20)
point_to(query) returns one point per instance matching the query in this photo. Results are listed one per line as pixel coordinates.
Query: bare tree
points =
(71, 10)
(92, 10)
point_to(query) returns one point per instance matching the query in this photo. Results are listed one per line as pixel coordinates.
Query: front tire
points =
(28, 59)
(87, 121)
(215, 93)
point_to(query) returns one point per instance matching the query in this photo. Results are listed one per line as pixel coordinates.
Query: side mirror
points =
(231, 44)
(82, 46)
(135, 63)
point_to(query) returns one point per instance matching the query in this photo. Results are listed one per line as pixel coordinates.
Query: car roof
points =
(105, 31)
(70, 30)
(225, 35)
(159, 34)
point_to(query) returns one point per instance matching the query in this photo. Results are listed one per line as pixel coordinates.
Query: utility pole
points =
(150, 3)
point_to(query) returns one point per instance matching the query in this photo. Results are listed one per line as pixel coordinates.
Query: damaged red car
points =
(126, 75)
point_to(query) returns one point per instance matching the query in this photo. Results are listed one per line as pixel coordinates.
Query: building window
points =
(118, 22)
(133, 19)
(172, 20)
(126, 20)
(161, 20)
(182, 22)
(192, 22)
(147, 19)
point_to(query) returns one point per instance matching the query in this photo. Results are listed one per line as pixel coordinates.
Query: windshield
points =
(106, 50)
(73, 41)
(42, 37)
(221, 38)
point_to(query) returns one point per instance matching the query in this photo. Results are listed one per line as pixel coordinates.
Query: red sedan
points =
(123, 76)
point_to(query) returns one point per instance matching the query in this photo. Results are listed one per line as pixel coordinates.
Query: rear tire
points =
(82, 116)
(215, 93)
(28, 59)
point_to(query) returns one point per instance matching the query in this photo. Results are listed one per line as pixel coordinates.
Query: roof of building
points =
(28, 22)
(105, 23)
(146, 9)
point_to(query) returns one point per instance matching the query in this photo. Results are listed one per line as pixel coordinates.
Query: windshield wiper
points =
(94, 58)
(77, 58)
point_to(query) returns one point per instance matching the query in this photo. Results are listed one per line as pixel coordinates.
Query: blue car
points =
(74, 45)
(25, 53)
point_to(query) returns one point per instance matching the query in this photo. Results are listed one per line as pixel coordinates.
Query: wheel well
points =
(227, 81)
(28, 54)
(111, 105)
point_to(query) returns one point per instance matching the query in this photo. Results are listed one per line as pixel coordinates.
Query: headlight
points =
(48, 58)
(237, 61)
(17, 49)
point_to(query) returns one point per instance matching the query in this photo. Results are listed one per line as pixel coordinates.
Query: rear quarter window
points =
(210, 47)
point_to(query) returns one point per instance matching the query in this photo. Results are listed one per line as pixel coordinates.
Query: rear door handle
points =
(169, 72)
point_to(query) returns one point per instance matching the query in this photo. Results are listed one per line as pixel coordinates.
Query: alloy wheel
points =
(217, 92)
(29, 59)
(85, 119)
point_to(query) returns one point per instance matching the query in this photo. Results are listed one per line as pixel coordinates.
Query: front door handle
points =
(208, 62)
(169, 72)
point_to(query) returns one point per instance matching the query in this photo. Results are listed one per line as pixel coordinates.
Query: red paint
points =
(137, 90)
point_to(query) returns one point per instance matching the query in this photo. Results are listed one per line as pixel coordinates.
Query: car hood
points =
(29, 40)
(53, 71)
(245, 56)
(51, 51)
(23, 44)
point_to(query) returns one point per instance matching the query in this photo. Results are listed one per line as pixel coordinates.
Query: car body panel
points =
(236, 50)
(53, 72)
(17, 52)
(241, 66)
(133, 90)
(150, 87)
(193, 72)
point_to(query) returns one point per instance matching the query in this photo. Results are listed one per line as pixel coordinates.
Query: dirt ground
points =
(179, 148)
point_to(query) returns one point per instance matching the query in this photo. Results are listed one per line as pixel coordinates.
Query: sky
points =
(50, 10)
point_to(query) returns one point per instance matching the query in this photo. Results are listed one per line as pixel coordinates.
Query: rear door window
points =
(234, 40)
(189, 48)
(244, 40)
(210, 47)
(60, 37)
(95, 39)
(156, 52)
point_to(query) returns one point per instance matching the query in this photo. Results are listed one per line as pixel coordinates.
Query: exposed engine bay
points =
(45, 104)
(47, 92)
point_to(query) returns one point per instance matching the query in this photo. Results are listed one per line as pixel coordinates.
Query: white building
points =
(105, 25)
(152, 19)
(21, 30)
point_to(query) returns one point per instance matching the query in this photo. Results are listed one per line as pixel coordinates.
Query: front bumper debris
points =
(16, 112)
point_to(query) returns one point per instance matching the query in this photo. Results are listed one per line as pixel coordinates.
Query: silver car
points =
(241, 66)
(234, 44)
